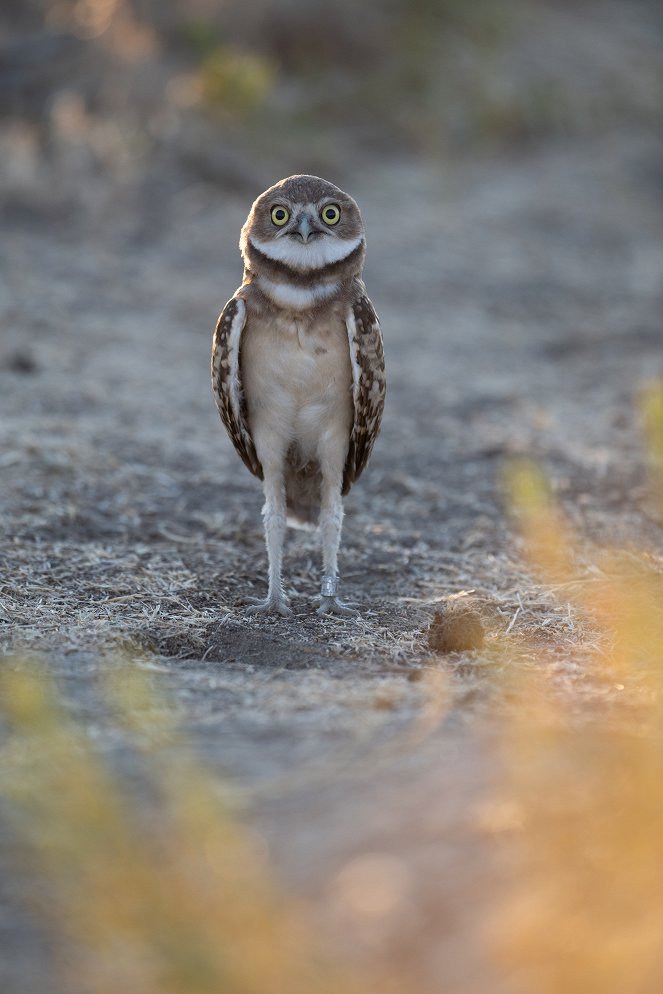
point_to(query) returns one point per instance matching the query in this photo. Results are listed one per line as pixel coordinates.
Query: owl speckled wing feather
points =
(227, 383)
(369, 384)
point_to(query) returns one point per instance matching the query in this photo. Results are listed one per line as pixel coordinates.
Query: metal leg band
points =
(329, 586)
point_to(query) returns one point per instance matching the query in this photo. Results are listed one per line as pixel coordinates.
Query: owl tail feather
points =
(302, 492)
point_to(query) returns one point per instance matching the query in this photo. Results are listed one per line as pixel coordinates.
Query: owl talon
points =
(332, 605)
(271, 605)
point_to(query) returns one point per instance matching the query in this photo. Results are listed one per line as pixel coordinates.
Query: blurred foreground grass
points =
(170, 896)
(584, 908)
(175, 896)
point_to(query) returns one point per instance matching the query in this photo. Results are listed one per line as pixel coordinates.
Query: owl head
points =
(304, 224)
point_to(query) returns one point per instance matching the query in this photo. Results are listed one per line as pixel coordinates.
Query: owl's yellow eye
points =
(331, 214)
(280, 216)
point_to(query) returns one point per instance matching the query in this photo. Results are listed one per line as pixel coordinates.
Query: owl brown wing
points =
(368, 382)
(227, 382)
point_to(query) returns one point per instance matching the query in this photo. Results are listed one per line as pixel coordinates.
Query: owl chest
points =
(291, 363)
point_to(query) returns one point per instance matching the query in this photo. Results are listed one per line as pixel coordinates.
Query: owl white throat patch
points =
(313, 255)
(297, 298)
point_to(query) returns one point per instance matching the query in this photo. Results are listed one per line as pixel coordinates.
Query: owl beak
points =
(303, 228)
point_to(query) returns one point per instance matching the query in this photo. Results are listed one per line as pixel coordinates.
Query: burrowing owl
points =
(298, 366)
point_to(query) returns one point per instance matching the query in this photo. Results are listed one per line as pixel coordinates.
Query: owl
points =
(298, 368)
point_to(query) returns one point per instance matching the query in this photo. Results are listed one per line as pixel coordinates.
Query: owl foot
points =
(332, 605)
(273, 604)
(329, 602)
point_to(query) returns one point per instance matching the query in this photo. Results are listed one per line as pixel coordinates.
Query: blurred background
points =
(450, 820)
(99, 94)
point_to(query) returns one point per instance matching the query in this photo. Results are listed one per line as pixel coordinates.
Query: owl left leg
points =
(332, 460)
(271, 452)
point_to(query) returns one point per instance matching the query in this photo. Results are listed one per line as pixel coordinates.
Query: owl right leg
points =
(332, 450)
(272, 457)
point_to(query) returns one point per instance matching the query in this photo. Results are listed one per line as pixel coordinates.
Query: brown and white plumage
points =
(298, 364)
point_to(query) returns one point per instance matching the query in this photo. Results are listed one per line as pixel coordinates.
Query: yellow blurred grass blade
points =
(652, 406)
(170, 896)
(625, 598)
(651, 403)
(584, 908)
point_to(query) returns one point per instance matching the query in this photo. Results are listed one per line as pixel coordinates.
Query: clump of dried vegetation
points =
(176, 897)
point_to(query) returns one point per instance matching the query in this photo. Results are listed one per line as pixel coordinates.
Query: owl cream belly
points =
(298, 381)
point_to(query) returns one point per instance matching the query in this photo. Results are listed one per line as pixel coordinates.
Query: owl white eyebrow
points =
(297, 298)
(314, 255)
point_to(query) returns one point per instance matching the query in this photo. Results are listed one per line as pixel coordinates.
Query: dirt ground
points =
(520, 297)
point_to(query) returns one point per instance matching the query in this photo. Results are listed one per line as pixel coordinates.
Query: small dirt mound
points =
(456, 627)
